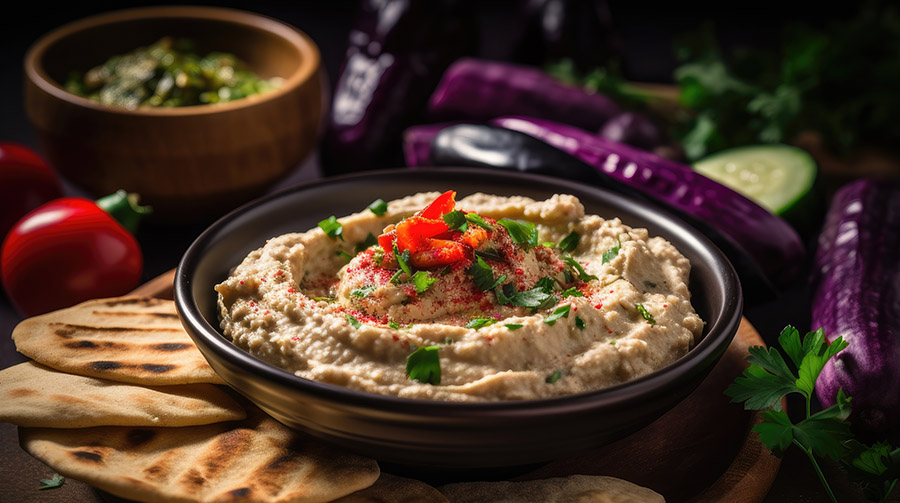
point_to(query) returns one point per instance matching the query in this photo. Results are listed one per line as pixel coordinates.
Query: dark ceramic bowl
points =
(442, 434)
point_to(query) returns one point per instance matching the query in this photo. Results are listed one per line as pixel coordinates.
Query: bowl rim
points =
(310, 57)
(709, 347)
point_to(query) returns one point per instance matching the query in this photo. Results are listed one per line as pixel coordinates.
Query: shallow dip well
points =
(438, 433)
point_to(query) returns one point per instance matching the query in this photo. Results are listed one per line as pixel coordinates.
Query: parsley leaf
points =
(403, 260)
(483, 275)
(561, 312)
(579, 323)
(332, 227)
(362, 291)
(571, 292)
(53, 482)
(353, 321)
(424, 365)
(570, 242)
(513, 326)
(646, 314)
(611, 253)
(456, 220)
(423, 281)
(478, 220)
(536, 298)
(344, 254)
(378, 207)
(552, 378)
(522, 233)
(481, 322)
(582, 274)
(489, 254)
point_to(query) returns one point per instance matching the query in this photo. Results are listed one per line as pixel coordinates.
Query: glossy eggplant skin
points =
(397, 52)
(772, 245)
(855, 288)
(477, 90)
(417, 142)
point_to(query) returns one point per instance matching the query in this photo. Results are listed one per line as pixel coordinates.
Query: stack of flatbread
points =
(118, 396)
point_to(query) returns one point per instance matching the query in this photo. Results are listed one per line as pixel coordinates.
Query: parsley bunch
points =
(769, 378)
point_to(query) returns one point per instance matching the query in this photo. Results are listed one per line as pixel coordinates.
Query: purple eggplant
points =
(417, 142)
(635, 129)
(855, 287)
(479, 90)
(774, 246)
(397, 52)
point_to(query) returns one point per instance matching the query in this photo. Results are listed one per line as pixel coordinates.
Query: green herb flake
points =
(560, 312)
(571, 292)
(364, 245)
(478, 220)
(546, 284)
(646, 314)
(395, 279)
(483, 275)
(422, 281)
(353, 321)
(363, 291)
(522, 233)
(424, 365)
(324, 299)
(481, 322)
(403, 260)
(536, 298)
(570, 242)
(611, 253)
(394, 325)
(332, 227)
(579, 323)
(552, 378)
(489, 254)
(513, 326)
(378, 207)
(456, 220)
(53, 482)
(344, 254)
(579, 269)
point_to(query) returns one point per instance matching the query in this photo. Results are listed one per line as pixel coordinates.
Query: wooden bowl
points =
(187, 162)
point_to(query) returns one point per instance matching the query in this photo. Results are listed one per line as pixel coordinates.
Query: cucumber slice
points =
(777, 177)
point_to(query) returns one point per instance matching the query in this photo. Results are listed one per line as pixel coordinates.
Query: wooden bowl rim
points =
(310, 58)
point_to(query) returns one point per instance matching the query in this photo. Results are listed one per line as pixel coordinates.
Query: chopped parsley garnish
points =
(536, 298)
(582, 274)
(324, 299)
(422, 281)
(513, 326)
(570, 242)
(612, 252)
(424, 366)
(332, 227)
(579, 323)
(483, 275)
(456, 220)
(403, 260)
(353, 321)
(478, 220)
(395, 279)
(546, 284)
(366, 243)
(344, 254)
(363, 291)
(378, 207)
(53, 482)
(560, 312)
(646, 314)
(490, 254)
(552, 378)
(571, 292)
(522, 233)
(394, 325)
(481, 322)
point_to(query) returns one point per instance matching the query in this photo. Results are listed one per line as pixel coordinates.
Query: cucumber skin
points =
(855, 288)
(776, 248)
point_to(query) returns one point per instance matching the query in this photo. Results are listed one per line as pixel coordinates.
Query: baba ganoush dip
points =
(488, 298)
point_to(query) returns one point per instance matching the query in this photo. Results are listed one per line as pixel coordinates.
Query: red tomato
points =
(65, 252)
(26, 182)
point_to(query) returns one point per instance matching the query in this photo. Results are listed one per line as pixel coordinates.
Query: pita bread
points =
(34, 395)
(257, 459)
(136, 340)
(572, 489)
(393, 489)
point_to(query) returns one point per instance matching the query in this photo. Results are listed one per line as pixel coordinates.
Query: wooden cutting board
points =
(700, 451)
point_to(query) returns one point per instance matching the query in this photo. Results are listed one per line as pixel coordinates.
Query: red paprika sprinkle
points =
(252, 304)
(279, 272)
(291, 290)
(610, 331)
(519, 271)
(665, 305)
(242, 282)
(262, 279)
(598, 306)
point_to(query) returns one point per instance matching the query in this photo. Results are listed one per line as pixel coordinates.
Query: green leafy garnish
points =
(571, 292)
(394, 325)
(403, 260)
(456, 220)
(53, 482)
(483, 275)
(422, 281)
(536, 298)
(612, 252)
(646, 314)
(560, 312)
(513, 326)
(344, 254)
(363, 245)
(579, 269)
(424, 366)
(522, 233)
(395, 279)
(552, 378)
(481, 322)
(353, 321)
(378, 207)
(489, 254)
(546, 284)
(324, 299)
(570, 242)
(579, 323)
(332, 227)
(363, 291)
(478, 220)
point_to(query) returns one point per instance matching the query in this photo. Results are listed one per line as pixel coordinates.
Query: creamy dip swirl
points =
(615, 308)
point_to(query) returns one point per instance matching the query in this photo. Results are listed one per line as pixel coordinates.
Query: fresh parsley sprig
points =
(424, 365)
